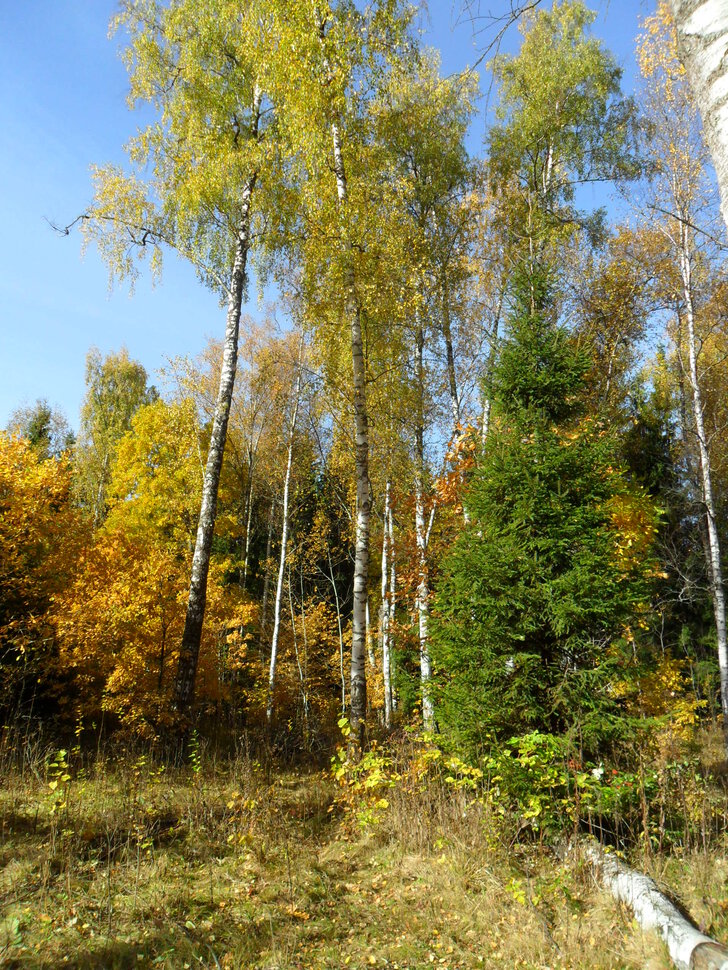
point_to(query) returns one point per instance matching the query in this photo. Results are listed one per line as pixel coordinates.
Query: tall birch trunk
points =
(489, 365)
(341, 633)
(358, 700)
(702, 34)
(370, 640)
(190, 648)
(248, 519)
(266, 580)
(423, 591)
(714, 555)
(452, 380)
(392, 605)
(386, 667)
(284, 544)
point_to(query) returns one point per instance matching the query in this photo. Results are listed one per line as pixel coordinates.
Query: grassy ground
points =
(232, 866)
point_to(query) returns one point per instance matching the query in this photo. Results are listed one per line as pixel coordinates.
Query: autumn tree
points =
(563, 123)
(45, 427)
(120, 621)
(41, 534)
(328, 60)
(116, 387)
(198, 66)
(681, 206)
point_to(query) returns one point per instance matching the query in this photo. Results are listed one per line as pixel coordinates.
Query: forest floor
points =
(237, 866)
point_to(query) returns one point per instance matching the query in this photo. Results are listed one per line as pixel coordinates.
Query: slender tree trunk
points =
(392, 605)
(301, 678)
(284, 544)
(370, 640)
(714, 561)
(386, 667)
(341, 633)
(452, 381)
(489, 364)
(266, 581)
(423, 591)
(702, 33)
(358, 700)
(190, 647)
(452, 377)
(248, 520)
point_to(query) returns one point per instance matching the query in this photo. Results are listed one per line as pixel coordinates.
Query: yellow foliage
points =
(40, 535)
(668, 691)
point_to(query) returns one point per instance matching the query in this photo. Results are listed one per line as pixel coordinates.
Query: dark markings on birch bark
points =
(184, 686)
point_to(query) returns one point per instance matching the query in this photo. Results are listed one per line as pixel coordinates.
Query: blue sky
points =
(62, 107)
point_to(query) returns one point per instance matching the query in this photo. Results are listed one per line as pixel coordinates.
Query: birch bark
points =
(284, 544)
(702, 33)
(190, 647)
(386, 604)
(715, 568)
(423, 590)
(358, 699)
(392, 605)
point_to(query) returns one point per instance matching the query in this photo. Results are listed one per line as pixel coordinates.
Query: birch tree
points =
(329, 56)
(293, 419)
(682, 201)
(197, 64)
(116, 387)
(702, 36)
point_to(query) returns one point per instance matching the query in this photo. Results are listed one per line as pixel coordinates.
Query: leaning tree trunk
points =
(190, 648)
(702, 34)
(284, 546)
(358, 699)
(715, 569)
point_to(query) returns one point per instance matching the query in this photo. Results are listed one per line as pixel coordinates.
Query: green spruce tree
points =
(534, 604)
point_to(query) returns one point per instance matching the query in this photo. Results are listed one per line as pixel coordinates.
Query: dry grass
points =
(231, 866)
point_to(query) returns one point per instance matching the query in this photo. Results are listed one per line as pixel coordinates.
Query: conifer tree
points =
(536, 596)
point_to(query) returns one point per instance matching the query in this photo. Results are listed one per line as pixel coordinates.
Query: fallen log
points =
(689, 949)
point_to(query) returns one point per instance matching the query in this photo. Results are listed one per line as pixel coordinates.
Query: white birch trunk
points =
(190, 647)
(341, 634)
(266, 581)
(386, 667)
(301, 676)
(248, 520)
(392, 604)
(423, 591)
(358, 699)
(689, 949)
(714, 554)
(702, 32)
(370, 640)
(490, 363)
(284, 544)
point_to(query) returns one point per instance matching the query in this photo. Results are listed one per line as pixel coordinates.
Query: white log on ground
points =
(689, 949)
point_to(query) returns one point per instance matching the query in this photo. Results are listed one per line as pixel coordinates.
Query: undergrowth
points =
(234, 863)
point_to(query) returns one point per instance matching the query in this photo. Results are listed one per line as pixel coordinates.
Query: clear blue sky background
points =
(62, 107)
